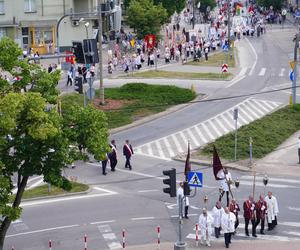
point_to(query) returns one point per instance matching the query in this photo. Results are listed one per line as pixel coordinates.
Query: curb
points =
(156, 116)
(58, 196)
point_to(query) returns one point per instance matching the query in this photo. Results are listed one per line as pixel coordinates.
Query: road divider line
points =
(255, 55)
(148, 191)
(143, 218)
(42, 230)
(102, 222)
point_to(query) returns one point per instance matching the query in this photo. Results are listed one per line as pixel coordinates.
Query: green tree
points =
(35, 140)
(145, 17)
(277, 4)
(172, 5)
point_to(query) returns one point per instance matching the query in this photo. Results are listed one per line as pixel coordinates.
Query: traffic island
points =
(134, 101)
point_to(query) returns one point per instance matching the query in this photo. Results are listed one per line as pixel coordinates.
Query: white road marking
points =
(102, 222)
(193, 139)
(291, 233)
(169, 147)
(114, 245)
(143, 218)
(294, 208)
(104, 229)
(262, 72)
(253, 107)
(260, 178)
(234, 81)
(190, 215)
(42, 230)
(104, 190)
(215, 128)
(229, 124)
(221, 125)
(109, 236)
(148, 191)
(178, 145)
(159, 149)
(260, 184)
(247, 108)
(255, 55)
(200, 134)
(282, 72)
(267, 110)
(207, 131)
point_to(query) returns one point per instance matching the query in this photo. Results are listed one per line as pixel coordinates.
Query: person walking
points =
(70, 77)
(206, 53)
(104, 164)
(217, 213)
(235, 208)
(249, 215)
(185, 200)
(113, 155)
(224, 176)
(127, 152)
(272, 210)
(228, 223)
(205, 226)
(261, 209)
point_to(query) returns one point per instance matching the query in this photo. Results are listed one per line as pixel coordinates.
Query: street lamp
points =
(237, 183)
(86, 25)
(265, 182)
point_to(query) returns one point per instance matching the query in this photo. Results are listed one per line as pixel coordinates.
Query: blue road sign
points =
(292, 76)
(195, 179)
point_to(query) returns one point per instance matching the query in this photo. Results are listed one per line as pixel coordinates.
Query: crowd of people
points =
(225, 219)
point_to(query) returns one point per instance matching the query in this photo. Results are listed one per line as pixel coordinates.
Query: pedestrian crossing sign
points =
(195, 179)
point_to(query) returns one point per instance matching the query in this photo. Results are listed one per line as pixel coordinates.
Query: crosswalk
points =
(198, 135)
(281, 72)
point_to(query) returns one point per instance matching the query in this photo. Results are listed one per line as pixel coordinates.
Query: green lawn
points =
(178, 75)
(141, 100)
(216, 60)
(267, 134)
(42, 191)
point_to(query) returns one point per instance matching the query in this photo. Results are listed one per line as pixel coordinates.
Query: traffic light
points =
(79, 84)
(78, 52)
(186, 189)
(171, 181)
(90, 51)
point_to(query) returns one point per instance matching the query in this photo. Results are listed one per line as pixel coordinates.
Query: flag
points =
(187, 167)
(217, 165)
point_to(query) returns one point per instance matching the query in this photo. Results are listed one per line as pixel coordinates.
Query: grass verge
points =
(139, 100)
(267, 134)
(179, 75)
(42, 191)
(216, 60)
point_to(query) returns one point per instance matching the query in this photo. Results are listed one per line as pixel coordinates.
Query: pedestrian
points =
(235, 208)
(50, 68)
(261, 209)
(70, 77)
(206, 53)
(205, 226)
(249, 215)
(185, 201)
(224, 176)
(228, 222)
(104, 164)
(272, 210)
(128, 152)
(113, 155)
(217, 213)
(299, 149)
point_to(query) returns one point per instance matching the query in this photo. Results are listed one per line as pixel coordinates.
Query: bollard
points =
(123, 236)
(50, 245)
(158, 237)
(197, 235)
(85, 242)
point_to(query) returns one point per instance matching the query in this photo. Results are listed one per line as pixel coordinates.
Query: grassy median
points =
(267, 134)
(179, 75)
(42, 191)
(134, 101)
(216, 60)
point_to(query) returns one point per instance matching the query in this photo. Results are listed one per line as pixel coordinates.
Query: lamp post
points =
(265, 182)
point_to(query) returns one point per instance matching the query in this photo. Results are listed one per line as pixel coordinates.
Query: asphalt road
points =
(134, 201)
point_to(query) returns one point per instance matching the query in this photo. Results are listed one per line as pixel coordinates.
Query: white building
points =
(32, 23)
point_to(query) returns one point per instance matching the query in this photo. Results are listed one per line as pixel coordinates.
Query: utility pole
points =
(194, 13)
(294, 83)
(102, 101)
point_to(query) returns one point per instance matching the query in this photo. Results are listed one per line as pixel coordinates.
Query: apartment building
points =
(33, 23)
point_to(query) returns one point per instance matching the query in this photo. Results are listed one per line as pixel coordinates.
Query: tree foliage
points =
(277, 4)
(172, 5)
(36, 139)
(145, 17)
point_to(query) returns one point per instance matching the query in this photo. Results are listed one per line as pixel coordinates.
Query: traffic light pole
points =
(294, 83)
(102, 101)
(180, 245)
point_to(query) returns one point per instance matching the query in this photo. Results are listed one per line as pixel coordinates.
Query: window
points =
(2, 9)
(30, 6)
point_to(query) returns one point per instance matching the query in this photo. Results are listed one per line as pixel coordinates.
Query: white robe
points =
(228, 222)
(217, 215)
(223, 183)
(205, 225)
(186, 201)
(272, 208)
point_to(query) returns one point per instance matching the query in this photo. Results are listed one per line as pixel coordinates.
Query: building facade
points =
(33, 23)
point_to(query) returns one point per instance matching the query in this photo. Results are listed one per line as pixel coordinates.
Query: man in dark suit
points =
(113, 155)
(249, 214)
(128, 152)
